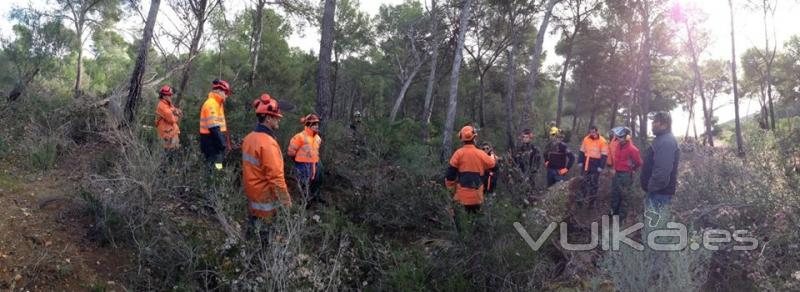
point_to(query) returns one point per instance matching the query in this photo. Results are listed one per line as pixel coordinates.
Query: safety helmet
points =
(621, 133)
(266, 105)
(357, 114)
(165, 91)
(309, 119)
(467, 133)
(221, 85)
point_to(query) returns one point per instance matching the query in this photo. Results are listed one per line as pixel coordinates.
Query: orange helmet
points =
(309, 119)
(165, 91)
(266, 105)
(467, 133)
(221, 85)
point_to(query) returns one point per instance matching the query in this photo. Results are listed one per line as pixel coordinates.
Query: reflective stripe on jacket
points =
(166, 120)
(212, 114)
(592, 152)
(262, 173)
(467, 167)
(304, 146)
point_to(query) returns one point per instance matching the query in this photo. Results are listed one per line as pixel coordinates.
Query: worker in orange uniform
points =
(167, 119)
(214, 139)
(304, 148)
(262, 168)
(592, 158)
(613, 145)
(468, 165)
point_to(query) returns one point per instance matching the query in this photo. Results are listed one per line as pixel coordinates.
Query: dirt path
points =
(43, 228)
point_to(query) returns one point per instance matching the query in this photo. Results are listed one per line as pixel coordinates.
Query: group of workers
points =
(472, 172)
(263, 176)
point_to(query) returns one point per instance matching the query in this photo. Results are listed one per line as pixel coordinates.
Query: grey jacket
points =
(660, 170)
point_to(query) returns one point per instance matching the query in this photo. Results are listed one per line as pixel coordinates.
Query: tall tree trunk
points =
(447, 133)
(593, 113)
(79, 74)
(335, 79)
(194, 48)
(402, 95)
(644, 97)
(255, 48)
(428, 110)
(691, 113)
(323, 68)
(564, 69)
(612, 121)
(481, 98)
(533, 67)
(700, 85)
(576, 114)
(739, 142)
(510, 88)
(135, 87)
(769, 56)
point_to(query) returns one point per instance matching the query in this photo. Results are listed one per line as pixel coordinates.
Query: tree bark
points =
(447, 134)
(533, 67)
(255, 48)
(510, 88)
(402, 95)
(135, 87)
(644, 100)
(428, 109)
(739, 143)
(562, 84)
(323, 68)
(200, 16)
(769, 56)
(700, 84)
(79, 74)
(565, 68)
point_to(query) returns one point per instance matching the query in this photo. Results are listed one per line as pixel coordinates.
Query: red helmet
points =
(266, 105)
(309, 119)
(467, 133)
(221, 85)
(165, 91)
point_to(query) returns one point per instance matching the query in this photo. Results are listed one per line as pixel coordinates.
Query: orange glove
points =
(563, 171)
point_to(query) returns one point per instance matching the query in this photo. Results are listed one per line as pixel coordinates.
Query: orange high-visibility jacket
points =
(304, 146)
(166, 120)
(212, 114)
(262, 173)
(612, 151)
(467, 167)
(593, 149)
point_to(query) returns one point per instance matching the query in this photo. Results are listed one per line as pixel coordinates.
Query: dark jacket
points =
(660, 170)
(559, 157)
(527, 157)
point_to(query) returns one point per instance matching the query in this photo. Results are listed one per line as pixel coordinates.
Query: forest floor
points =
(44, 231)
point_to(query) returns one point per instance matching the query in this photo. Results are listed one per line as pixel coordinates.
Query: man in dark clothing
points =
(527, 157)
(490, 179)
(659, 176)
(558, 162)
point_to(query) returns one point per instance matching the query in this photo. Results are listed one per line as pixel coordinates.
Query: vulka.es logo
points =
(674, 238)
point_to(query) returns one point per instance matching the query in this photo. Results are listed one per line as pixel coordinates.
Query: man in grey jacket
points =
(659, 176)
